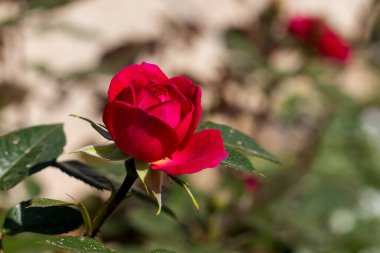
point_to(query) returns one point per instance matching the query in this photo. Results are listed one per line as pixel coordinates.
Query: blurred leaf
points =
(152, 180)
(98, 127)
(44, 202)
(125, 54)
(148, 199)
(162, 251)
(79, 244)
(32, 187)
(184, 185)
(47, 220)
(240, 141)
(237, 160)
(84, 173)
(11, 93)
(23, 149)
(108, 152)
(24, 243)
(46, 4)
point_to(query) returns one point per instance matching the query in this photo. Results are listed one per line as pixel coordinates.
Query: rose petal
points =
(185, 85)
(204, 150)
(169, 112)
(183, 126)
(127, 95)
(146, 99)
(138, 74)
(139, 134)
(197, 113)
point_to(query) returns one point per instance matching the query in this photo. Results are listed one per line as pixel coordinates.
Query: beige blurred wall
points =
(75, 36)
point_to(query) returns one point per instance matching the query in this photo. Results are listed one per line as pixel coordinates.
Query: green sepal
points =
(101, 129)
(185, 185)
(108, 152)
(152, 180)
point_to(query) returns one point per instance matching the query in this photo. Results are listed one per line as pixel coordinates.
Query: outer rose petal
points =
(139, 134)
(204, 150)
(140, 74)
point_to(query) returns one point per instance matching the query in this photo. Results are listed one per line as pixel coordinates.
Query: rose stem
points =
(115, 199)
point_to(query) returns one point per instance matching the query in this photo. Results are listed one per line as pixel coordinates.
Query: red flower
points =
(153, 118)
(317, 34)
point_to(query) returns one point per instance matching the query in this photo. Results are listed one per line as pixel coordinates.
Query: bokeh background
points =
(319, 116)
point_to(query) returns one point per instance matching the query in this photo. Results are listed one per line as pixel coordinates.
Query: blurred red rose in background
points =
(251, 183)
(153, 118)
(314, 32)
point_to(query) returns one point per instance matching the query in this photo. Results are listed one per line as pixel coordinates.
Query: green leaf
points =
(108, 152)
(84, 173)
(162, 251)
(152, 180)
(185, 185)
(43, 220)
(237, 160)
(44, 202)
(78, 244)
(239, 140)
(98, 127)
(23, 149)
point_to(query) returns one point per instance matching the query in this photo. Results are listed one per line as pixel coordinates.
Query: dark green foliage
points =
(48, 220)
(84, 173)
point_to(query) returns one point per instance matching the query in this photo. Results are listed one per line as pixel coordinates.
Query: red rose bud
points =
(153, 118)
(317, 34)
(302, 27)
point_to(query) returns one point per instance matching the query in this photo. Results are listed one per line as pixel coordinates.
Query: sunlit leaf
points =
(152, 180)
(109, 152)
(184, 185)
(22, 150)
(236, 160)
(84, 173)
(239, 140)
(98, 127)
(78, 244)
(44, 220)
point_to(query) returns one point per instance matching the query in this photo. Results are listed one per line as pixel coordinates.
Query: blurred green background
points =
(320, 117)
